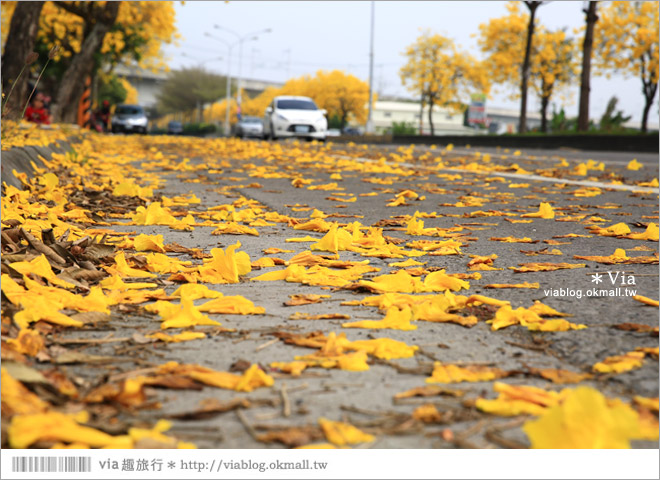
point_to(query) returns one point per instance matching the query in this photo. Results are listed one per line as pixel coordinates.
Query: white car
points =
(289, 116)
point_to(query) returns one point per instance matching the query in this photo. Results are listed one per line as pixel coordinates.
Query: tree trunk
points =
(431, 116)
(544, 114)
(649, 95)
(20, 42)
(65, 107)
(585, 77)
(522, 125)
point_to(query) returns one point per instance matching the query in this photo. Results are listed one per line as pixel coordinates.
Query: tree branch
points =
(71, 7)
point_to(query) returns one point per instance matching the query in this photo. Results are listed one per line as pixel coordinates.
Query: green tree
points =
(189, 89)
(611, 119)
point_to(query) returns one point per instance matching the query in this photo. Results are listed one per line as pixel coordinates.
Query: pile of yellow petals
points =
(34, 420)
(403, 282)
(316, 275)
(531, 318)
(332, 353)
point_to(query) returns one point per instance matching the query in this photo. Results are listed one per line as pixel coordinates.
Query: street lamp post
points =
(370, 126)
(230, 46)
(240, 41)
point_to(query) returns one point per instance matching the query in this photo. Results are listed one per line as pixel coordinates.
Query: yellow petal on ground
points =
(152, 243)
(336, 239)
(30, 342)
(227, 265)
(652, 233)
(482, 299)
(518, 400)
(180, 337)
(18, 400)
(187, 315)
(124, 270)
(116, 283)
(40, 266)
(585, 419)
(195, 291)
(634, 165)
(340, 433)
(294, 368)
(543, 310)
(646, 300)
(24, 430)
(252, 378)
(395, 319)
(439, 281)
(620, 363)
(611, 231)
(385, 348)
(235, 304)
(447, 373)
(545, 211)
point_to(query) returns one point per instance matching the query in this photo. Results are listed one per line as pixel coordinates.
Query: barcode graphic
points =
(51, 464)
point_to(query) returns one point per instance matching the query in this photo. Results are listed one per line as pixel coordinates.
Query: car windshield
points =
(129, 110)
(251, 120)
(296, 105)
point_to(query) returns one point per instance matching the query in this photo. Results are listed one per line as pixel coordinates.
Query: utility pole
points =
(370, 125)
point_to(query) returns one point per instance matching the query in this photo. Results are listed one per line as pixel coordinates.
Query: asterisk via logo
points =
(596, 278)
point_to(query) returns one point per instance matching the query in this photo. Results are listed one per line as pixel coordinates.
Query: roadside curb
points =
(20, 159)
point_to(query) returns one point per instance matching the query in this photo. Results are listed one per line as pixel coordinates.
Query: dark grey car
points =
(249, 127)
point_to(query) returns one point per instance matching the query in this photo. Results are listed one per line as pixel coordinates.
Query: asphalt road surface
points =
(459, 190)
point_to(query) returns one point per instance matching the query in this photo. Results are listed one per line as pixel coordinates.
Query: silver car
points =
(129, 118)
(249, 127)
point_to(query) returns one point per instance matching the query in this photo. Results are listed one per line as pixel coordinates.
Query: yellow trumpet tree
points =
(442, 74)
(552, 59)
(344, 96)
(626, 41)
(95, 35)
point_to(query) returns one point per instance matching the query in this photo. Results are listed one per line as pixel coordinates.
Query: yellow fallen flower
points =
(585, 419)
(395, 319)
(151, 243)
(447, 373)
(620, 363)
(340, 433)
(545, 211)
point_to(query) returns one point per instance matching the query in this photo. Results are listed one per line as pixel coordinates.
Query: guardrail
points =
(647, 143)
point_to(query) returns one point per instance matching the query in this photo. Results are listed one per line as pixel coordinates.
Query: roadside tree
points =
(626, 40)
(441, 74)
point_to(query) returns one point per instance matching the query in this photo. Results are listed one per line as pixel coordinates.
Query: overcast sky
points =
(309, 35)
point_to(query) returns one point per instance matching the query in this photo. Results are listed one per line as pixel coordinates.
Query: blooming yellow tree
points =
(343, 95)
(552, 59)
(441, 74)
(626, 41)
(94, 35)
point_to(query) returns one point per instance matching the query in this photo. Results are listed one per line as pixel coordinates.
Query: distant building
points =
(505, 120)
(445, 121)
(149, 84)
